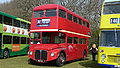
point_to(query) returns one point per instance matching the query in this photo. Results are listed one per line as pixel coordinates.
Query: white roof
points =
(110, 0)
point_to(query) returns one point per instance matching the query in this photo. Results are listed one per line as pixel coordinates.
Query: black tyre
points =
(60, 60)
(30, 61)
(6, 54)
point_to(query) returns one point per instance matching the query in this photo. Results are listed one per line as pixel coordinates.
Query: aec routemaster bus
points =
(14, 36)
(109, 49)
(57, 34)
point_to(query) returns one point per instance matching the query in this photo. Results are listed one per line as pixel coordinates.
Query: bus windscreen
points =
(111, 8)
(110, 38)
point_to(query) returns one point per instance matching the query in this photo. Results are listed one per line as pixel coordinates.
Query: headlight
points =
(103, 56)
(52, 54)
(31, 42)
(30, 53)
(103, 61)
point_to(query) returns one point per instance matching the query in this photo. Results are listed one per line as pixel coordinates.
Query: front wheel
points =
(60, 60)
(6, 54)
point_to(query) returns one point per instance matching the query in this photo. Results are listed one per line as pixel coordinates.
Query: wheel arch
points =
(63, 53)
(6, 49)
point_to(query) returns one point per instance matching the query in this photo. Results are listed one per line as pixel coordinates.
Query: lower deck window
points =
(69, 40)
(7, 39)
(23, 40)
(16, 40)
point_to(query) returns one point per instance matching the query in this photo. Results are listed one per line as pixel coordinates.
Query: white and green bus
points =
(14, 35)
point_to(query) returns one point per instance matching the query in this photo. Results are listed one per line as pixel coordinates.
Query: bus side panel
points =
(15, 50)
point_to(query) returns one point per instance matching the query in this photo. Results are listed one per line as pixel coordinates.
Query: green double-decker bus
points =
(14, 35)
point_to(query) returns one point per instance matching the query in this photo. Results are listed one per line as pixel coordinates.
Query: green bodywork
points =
(23, 47)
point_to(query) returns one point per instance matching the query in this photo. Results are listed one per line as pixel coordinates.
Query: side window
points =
(69, 40)
(16, 40)
(1, 18)
(28, 40)
(7, 39)
(28, 26)
(80, 41)
(79, 21)
(84, 23)
(87, 24)
(50, 13)
(38, 14)
(23, 25)
(16, 23)
(84, 41)
(23, 40)
(75, 40)
(7, 20)
(69, 16)
(62, 13)
(75, 19)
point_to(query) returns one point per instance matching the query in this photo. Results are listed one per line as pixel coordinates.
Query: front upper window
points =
(51, 12)
(38, 13)
(111, 8)
(45, 13)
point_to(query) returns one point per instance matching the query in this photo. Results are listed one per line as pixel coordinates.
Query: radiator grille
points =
(114, 59)
(41, 55)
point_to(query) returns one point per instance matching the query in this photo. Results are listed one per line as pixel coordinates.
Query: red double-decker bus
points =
(57, 34)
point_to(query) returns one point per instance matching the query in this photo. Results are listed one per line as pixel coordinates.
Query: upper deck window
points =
(16, 23)
(111, 8)
(7, 20)
(62, 13)
(79, 21)
(75, 19)
(69, 16)
(23, 25)
(87, 24)
(38, 13)
(28, 26)
(51, 12)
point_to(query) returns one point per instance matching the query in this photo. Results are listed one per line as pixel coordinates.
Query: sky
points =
(3, 1)
(111, 0)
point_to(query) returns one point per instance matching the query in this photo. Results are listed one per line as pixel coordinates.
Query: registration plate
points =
(40, 60)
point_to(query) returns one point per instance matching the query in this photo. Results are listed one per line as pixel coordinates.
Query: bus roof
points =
(111, 0)
(5, 14)
(54, 6)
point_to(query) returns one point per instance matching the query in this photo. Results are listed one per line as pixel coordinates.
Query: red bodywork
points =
(72, 51)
